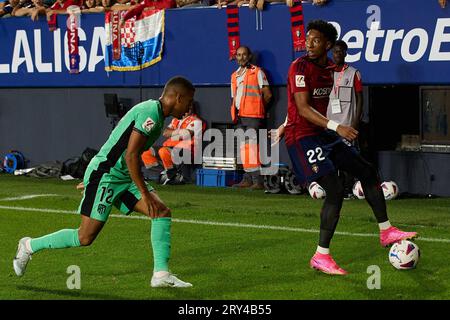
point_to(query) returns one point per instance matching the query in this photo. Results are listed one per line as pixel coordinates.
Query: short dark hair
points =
(324, 27)
(179, 82)
(342, 44)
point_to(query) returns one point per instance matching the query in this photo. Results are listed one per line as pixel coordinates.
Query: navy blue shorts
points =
(313, 157)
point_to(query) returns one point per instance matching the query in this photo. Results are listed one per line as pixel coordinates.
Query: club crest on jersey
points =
(101, 208)
(315, 168)
(300, 81)
(148, 124)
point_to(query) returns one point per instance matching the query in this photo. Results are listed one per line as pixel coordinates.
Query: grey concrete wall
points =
(55, 124)
(425, 173)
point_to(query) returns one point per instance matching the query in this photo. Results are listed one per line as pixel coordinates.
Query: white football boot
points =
(169, 280)
(22, 257)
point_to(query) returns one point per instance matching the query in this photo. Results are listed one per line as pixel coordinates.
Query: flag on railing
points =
(137, 44)
(72, 39)
(233, 29)
(297, 26)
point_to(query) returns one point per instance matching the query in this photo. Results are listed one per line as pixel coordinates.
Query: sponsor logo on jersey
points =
(148, 124)
(321, 92)
(300, 81)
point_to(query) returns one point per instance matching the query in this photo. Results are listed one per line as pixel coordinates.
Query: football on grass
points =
(404, 255)
(390, 190)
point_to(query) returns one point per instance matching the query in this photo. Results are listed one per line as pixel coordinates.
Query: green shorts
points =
(100, 196)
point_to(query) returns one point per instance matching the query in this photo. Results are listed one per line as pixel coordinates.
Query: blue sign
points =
(389, 42)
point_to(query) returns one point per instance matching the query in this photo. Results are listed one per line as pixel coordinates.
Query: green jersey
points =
(147, 118)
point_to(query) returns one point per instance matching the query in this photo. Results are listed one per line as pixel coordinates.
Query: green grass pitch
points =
(231, 244)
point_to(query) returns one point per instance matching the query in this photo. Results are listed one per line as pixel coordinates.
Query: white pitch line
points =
(31, 196)
(223, 224)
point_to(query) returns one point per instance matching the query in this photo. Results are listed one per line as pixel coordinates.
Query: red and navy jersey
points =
(306, 76)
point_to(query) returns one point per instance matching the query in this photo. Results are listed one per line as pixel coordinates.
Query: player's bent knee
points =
(85, 240)
(163, 214)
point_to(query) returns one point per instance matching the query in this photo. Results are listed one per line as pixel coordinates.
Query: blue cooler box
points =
(217, 178)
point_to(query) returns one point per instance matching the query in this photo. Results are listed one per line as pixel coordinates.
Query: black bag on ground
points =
(51, 169)
(77, 166)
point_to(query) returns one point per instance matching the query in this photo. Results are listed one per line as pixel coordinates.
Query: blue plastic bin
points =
(217, 178)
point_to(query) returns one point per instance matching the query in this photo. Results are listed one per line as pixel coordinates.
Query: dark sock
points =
(329, 215)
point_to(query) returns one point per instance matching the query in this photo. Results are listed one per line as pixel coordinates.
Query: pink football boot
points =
(326, 264)
(392, 235)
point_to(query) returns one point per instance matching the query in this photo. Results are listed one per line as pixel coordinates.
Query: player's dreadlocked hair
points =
(180, 83)
(326, 28)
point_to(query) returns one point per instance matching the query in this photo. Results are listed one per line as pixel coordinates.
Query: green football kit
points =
(107, 181)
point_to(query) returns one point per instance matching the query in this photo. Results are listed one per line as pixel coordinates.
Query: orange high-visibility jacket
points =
(186, 123)
(252, 102)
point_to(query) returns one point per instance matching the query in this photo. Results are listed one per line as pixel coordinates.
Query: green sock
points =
(65, 238)
(160, 236)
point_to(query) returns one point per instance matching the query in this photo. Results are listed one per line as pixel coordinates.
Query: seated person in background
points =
(258, 4)
(3, 3)
(147, 5)
(32, 8)
(320, 2)
(192, 3)
(223, 3)
(289, 3)
(121, 5)
(149, 158)
(252, 4)
(7, 7)
(91, 6)
(60, 7)
(23, 8)
(41, 8)
(107, 4)
(180, 135)
(442, 3)
(116, 5)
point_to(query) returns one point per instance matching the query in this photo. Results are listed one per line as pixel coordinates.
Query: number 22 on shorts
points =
(315, 155)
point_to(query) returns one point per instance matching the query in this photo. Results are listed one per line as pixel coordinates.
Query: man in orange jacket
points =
(251, 93)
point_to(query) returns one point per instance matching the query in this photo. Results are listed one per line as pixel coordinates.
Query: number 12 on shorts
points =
(109, 194)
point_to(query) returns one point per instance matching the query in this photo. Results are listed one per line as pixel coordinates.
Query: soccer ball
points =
(358, 190)
(390, 190)
(404, 255)
(316, 191)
